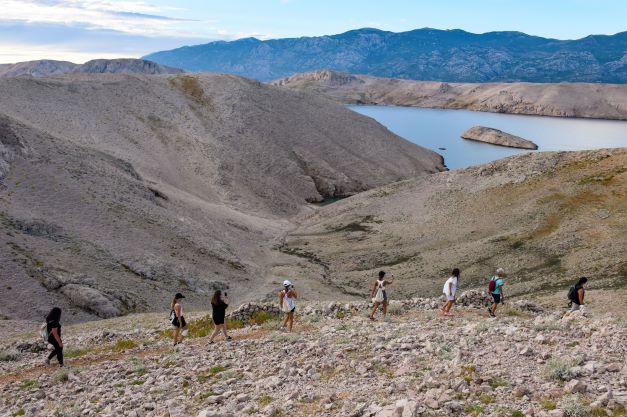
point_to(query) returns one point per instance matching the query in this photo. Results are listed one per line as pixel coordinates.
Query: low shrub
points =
(486, 398)
(62, 375)
(261, 317)
(547, 403)
(517, 413)
(573, 406)
(265, 400)
(123, 345)
(9, 355)
(558, 369)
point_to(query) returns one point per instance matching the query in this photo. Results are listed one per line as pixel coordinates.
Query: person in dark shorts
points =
(178, 319)
(379, 294)
(53, 329)
(496, 291)
(576, 295)
(219, 305)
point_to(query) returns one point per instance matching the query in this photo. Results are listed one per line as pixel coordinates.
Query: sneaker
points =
(490, 312)
(372, 318)
(229, 338)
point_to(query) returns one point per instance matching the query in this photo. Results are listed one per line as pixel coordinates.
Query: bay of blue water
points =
(436, 128)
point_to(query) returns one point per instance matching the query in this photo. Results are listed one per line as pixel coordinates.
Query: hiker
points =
(450, 291)
(219, 306)
(53, 329)
(495, 288)
(379, 295)
(576, 294)
(287, 303)
(178, 319)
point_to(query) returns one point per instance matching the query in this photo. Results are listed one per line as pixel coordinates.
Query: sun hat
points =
(287, 283)
(178, 296)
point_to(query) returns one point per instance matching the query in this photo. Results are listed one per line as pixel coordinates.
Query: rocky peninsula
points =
(497, 137)
(585, 100)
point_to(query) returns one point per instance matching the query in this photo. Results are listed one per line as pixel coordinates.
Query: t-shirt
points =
(53, 325)
(499, 284)
(453, 290)
(219, 311)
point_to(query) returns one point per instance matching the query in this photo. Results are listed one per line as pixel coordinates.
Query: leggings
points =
(58, 350)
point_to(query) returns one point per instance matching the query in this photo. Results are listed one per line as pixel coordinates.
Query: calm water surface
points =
(435, 128)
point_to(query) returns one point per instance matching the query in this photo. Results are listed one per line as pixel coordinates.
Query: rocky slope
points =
(497, 137)
(546, 218)
(118, 190)
(422, 54)
(415, 363)
(601, 101)
(47, 68)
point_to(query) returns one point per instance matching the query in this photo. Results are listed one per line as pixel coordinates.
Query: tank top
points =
(381, 284)
(291, 302)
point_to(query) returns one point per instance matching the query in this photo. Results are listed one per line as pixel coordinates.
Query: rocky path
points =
(414, 363)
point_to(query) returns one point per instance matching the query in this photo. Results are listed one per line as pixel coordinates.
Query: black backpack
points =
(572, 294)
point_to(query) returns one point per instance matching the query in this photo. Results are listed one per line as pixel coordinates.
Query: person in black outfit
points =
(53, 328)
(219, 306)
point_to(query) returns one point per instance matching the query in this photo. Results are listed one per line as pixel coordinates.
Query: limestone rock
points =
(497, 137)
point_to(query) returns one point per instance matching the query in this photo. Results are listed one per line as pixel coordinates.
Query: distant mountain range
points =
(48, 67)
(422, 54)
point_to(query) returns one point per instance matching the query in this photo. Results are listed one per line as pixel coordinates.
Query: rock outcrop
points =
(599, 101)
(497, 137)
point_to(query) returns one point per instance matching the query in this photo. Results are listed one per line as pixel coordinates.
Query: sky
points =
(80, 30)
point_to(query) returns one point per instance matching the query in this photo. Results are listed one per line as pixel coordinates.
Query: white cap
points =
(500, 271)
(287, 283)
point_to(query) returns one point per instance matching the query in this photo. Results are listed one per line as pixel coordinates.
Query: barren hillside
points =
(118, 190)
(49, 67)
(600, 101)
(546, 218)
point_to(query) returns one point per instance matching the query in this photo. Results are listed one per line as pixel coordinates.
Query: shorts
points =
(385, 295)
(496, 298)
(450, 297)
(575, 307)
(218, 322)
(175, 323)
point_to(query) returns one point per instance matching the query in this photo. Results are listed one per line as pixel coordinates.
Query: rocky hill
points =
(601, 101)
(47, 67)
(546, 218)
(416, 363)
(118, 190)
(422, 54)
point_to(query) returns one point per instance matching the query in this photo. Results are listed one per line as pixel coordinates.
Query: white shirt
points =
(453, 289)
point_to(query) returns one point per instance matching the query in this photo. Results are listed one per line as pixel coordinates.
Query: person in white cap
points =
(287, 303)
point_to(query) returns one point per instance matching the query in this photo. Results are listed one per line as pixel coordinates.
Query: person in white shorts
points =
(450, 292)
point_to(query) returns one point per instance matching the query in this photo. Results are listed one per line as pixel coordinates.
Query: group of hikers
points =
(51, 330)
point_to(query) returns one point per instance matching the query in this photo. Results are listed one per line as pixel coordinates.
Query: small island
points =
(497, 137)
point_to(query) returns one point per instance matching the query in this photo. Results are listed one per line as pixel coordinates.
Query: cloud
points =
(134, 17)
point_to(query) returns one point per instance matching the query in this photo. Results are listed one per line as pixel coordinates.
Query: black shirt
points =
(219, 311)
(53, 325)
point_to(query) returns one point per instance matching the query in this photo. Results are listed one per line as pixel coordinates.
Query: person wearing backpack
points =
(495, 288)
(576, 294)
(287, 303)
(219, 305)
(450, 291)
(379, 295)
(177, 318)
(53, 330)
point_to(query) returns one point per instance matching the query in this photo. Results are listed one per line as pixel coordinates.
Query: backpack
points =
(43, 332)
(173, 318)
(378, 298)
(572, 294)
(492, 285)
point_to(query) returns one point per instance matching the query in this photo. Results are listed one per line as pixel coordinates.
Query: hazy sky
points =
(79, 30)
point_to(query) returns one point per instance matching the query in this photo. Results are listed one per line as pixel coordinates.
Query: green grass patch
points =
(486, 399)
(264, 400)
(29, 384)
(215, 370)
(19, 412)
(558, 369)
(547, 403)
(124, 345)
(498, 382)
(474, 409)
(467, 373)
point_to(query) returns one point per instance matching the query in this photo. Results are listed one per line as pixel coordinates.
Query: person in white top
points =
(450, 291)
(287, 303)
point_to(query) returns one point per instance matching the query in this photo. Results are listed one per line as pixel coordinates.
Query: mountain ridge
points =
(421, 54)
(50, 67)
